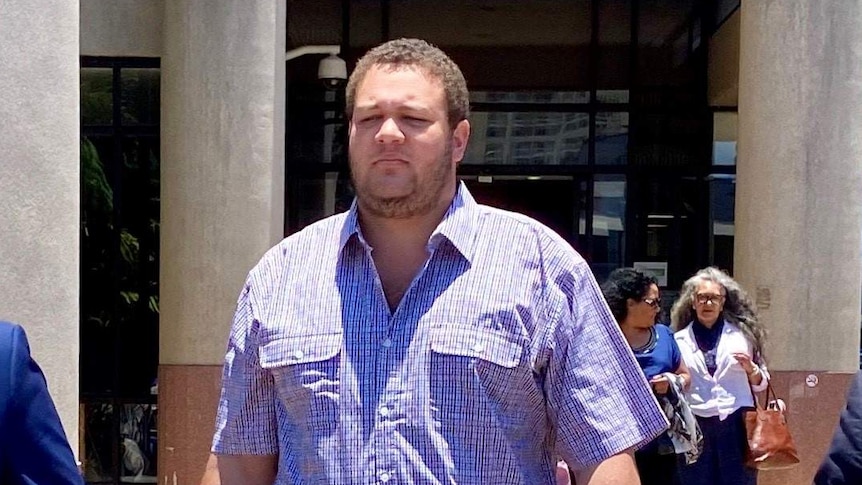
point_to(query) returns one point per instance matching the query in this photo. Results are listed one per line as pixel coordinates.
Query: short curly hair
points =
(415, 53)
(624, 284)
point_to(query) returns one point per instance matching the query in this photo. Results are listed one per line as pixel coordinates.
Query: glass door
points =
(558, 201)
(669, 214)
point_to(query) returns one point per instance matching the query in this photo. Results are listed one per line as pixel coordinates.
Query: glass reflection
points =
(609, 212)
(612, 138)
(516, 138)
(139, 96)
(722, 193)
(97, 96)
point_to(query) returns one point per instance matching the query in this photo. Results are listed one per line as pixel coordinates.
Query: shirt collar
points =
(458, 224)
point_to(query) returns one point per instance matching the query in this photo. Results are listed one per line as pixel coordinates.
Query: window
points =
(608, 94)
(119, 267)
(724, 129)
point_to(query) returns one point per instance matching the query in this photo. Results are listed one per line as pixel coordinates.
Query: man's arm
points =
(245, 444)
(240, 469)
(598, 400)
(619, 469)
(40, 452)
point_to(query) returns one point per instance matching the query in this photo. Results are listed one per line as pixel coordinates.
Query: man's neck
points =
(409, 232)
(400, 248)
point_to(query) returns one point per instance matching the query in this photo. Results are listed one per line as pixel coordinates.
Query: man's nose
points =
(389, 132)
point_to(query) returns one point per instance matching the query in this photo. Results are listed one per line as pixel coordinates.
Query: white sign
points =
(656, 269)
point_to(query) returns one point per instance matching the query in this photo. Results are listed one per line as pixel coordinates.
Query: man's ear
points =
(460, 136)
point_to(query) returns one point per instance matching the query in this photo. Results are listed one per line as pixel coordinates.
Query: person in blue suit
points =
(33, 447)
(843, 463)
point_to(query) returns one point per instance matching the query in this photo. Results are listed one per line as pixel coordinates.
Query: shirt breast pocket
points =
(306, 371)
(477, 374)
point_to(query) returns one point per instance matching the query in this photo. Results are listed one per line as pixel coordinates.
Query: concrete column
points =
(799, 203)
(222, 158)
(39, 188)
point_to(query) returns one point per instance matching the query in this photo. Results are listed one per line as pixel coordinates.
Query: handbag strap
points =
(770, 395)
(753, 395)
(769, 392)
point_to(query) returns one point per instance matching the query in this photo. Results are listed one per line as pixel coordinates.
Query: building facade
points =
(153, 150)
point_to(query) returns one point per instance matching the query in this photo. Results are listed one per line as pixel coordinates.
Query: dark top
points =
(843, 463)
(33, 446)
(707, 341)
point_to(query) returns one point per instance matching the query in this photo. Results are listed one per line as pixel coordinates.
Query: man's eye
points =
(415, 119)
(369, 118)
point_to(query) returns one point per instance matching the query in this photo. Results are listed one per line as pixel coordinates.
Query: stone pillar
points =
(799, 204)
(40, 188)
(222, 158)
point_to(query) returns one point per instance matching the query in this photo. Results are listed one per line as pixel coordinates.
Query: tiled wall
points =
(812, 413)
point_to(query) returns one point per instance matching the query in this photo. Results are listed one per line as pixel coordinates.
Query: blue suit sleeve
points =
(40, 453)
(843, 462)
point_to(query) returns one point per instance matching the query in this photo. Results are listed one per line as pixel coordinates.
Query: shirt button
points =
(298, 354)
(387, 343)
(478, 348)
(384, 411)
(384, 477)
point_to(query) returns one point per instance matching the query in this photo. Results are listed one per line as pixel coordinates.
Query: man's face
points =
(403, 154)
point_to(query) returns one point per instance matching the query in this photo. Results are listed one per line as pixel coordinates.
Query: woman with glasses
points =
(634, 301)
(722, 343)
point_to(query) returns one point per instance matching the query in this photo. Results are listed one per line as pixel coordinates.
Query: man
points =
(843, 463)
(33, 446)
(421, 337)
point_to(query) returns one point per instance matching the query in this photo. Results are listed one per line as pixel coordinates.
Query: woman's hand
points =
(660, 384)
(750, 368)
(745, 361)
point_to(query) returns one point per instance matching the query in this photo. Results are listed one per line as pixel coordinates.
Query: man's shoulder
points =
(315, 241)
(311, 239)
(7, 334)
(7, 365)
(507, 219)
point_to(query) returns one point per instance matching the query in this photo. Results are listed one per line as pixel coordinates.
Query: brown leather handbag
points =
(770, 446)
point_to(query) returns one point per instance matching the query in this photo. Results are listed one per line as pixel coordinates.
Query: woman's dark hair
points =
(622, 284)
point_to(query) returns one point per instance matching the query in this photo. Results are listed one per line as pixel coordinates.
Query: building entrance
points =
(556, 201)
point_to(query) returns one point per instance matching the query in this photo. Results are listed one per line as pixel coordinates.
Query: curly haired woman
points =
(634, 301)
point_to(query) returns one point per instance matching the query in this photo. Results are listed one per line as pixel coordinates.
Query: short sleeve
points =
(246, 419)
(599, 400)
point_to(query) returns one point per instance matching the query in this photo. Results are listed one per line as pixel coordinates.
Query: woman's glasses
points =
(653, 302)
(704, 298)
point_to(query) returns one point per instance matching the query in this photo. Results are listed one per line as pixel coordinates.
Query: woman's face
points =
(642, 312)
(708, 302)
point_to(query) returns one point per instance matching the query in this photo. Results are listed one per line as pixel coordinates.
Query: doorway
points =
(558, 201)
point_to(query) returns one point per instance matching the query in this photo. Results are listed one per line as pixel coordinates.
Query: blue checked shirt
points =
(501, 358)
